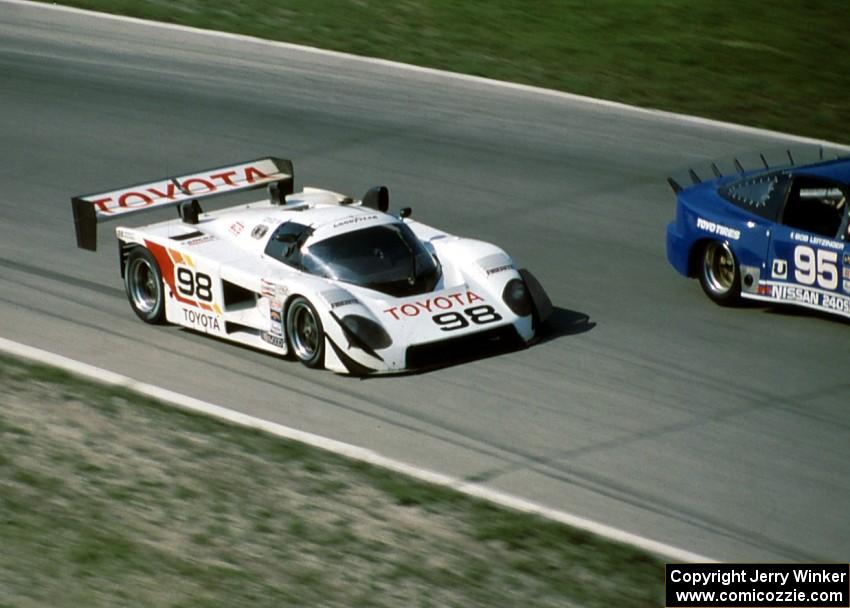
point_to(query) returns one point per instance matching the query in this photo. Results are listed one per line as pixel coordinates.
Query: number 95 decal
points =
(820, 267)
(480, 315)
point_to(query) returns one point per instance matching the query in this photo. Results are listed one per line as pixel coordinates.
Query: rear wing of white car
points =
(90, 209)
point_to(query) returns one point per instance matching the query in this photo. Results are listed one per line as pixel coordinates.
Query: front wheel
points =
(304, 329)
(143, 283)
(719, 274)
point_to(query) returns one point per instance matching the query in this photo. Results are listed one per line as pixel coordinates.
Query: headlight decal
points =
(516, 297)
(364, 333)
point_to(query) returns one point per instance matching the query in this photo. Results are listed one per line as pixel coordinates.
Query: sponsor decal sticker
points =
(236, 228)
(780, 269)
(274, 339)
(846, 286)
(230, 178)
(259, 231)
(433, 305)
(201, 320)
(792, 293)
(354, 219)
(337, 298)
(818, 241)
(275, 315)
(718, 229)
(810, 297)
(200, 240)
(498, 269)
(493, 264)
(273, 290)
(341, 303)
(836, 303)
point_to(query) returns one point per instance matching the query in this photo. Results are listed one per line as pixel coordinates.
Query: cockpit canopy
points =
(388, 258)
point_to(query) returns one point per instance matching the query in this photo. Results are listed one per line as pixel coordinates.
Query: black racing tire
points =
(305, 333)
(143, 284)
(719, 274)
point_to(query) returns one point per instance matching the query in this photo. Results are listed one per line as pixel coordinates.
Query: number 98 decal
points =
(479, 315)
(193, 284)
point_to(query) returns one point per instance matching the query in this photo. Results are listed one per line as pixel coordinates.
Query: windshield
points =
(387, 258)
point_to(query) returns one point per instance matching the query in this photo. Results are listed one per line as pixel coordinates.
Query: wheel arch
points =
(124, 250)
(137, 293)
(287, 302)
(284, 311)
(694, 254)
(321, 317)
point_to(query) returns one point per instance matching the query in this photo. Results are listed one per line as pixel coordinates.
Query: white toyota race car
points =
(333, 281)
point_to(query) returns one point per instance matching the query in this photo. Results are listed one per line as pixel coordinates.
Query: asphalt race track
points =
(648, 408)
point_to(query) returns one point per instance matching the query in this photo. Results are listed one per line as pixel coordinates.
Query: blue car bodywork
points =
(777, 234)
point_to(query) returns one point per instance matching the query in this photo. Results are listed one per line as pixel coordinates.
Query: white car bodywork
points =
(218, 278)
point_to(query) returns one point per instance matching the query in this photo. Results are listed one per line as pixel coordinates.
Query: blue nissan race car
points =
(779, 233)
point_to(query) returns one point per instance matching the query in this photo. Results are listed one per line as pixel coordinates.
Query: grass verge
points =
(779, 65)
(108, 498)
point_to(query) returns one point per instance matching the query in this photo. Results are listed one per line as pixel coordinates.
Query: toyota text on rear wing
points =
(90, 209)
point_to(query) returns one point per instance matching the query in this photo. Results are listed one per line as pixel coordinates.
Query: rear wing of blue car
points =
(752, 163)
(91, 209)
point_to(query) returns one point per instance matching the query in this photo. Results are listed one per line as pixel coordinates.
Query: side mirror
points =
(287, 238)
(404, 212)
(377, 198)
(290, 243)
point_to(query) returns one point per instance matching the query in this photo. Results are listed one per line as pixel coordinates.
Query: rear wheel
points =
(143, 283)
(719, 274)
(304, 329)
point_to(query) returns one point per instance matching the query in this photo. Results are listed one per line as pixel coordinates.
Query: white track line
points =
(672, 116)
(348, 450)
